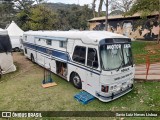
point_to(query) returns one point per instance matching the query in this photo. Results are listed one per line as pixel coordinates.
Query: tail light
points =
(104, 88)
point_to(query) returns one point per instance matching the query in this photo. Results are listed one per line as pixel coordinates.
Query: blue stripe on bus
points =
(56, 54)
(60, 55)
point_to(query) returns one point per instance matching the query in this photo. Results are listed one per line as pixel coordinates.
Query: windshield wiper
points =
(120, 65)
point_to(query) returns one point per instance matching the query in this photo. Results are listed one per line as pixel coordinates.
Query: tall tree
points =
(122, 5)
(93, 8)
(99, 8)
(146, 7)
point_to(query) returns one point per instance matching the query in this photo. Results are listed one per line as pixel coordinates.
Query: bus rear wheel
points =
(16, 49)
(0, 72)
(76, 80)
(32, 58)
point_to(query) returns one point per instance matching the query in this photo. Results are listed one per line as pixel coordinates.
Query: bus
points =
(98, 62)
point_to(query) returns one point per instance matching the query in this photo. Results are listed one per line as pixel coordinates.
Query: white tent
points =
(6, 60)
(15, 33)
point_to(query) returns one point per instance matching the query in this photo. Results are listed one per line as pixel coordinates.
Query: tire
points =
(0, 75)
(0, 72)
(76, 80)
(32, 58)
(16, 49)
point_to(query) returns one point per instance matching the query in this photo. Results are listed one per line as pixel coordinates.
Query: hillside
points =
(62, 6)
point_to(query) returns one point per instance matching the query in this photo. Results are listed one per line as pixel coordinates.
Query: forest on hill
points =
(44, 16)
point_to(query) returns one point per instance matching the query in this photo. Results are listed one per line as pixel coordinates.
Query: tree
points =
(122, 5)
(62, 20)
(99, 8)
(7, 12)
(146, 7)
(38, 17)
(74, 18)
(93, 8)
(116, 12)
(24, 12)
(42, 18)
(24, 4)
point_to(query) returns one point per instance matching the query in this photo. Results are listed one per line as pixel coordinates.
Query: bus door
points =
(92, 74)
(48, 58)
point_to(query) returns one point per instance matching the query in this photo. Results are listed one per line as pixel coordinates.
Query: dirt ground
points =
(24, 64)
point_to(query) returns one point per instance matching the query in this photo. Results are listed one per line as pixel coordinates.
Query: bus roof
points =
(88, 37)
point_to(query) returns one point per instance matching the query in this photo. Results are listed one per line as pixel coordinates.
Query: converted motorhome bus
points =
(6, 59)
(99, 62)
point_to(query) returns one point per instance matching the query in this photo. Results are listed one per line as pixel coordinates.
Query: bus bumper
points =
(114, 95)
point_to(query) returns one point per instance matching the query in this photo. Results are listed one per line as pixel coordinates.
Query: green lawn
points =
(23, 91)
(139, 48)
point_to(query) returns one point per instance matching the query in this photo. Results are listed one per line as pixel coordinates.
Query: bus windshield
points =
(115, 56)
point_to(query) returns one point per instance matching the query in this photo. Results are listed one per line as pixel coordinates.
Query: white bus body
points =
(99, 62)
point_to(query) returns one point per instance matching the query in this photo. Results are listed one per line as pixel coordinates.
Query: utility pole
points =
(106, 22)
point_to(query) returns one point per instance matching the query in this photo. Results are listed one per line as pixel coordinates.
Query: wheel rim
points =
(76, 80)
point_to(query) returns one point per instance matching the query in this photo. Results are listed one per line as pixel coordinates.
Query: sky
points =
(80, 2)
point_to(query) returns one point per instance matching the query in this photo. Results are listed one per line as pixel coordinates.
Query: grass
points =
(140, 52)
(22, 91)
(138, 47)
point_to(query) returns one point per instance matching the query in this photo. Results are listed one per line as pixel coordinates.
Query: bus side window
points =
(48, 42)
(92, 59)
(63, 44)
(79, 54)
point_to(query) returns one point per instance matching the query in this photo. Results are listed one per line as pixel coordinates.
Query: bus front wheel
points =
(76, 80)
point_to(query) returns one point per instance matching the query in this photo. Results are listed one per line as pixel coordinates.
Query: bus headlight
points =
(104, 88)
